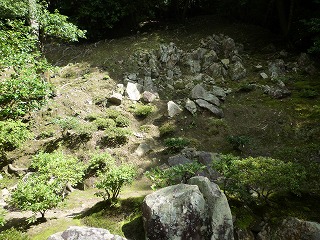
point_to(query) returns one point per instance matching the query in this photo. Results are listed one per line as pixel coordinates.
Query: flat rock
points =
(143, 149)
(133, 92)
(204, 104)
(115, 98)
(178, 159)
(198, 92)
(191, 106)
(173, 109)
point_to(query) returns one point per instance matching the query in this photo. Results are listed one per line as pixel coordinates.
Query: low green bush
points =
(80, 128)
(262, 176)
(13, 134)
(104, 123)
(176, 144)
(122, 121)
(99, 162)
(238, 141)
(141, 110)
(173, 175)
(113, 179)
(115, 136)
(167, 129)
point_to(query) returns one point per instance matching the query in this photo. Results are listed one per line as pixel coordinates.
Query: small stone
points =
(115, 98)
(173, 109)
(225, 62)
(264, 75)
(133, 92)
(191, 106)
(143, 149)
(178, 159)
(148, 96)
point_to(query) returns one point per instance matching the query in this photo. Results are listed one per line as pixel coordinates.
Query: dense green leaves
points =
(44, 189)
(113, 179)
(59, 167)
(36, 195)
(12, 135)
(260, 175)
(173, 175)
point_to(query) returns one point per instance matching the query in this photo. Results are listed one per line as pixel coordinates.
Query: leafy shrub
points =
(167, 129)
(12, 134)
(177, 174)
(2, 216)
(100, 162)
(112, 180)
(73, 123)
(116, 136)
(58, 167)
(141, 110)
(13, 234)
(104, 123)
(176, 144)
(215, 125)
(309, 93)
(238, 142)
(145, 128)
(22, 93)
(44, 189)
(36, 195)
(122, 121)
(112, 113)
(261, 175)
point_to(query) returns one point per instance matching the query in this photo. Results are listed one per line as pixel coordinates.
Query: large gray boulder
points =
(291, 228)
(85, 233)
(219, 210)
(204, 104)
(198, 210)
(198, 92)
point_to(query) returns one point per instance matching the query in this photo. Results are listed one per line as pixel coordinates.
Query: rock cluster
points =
(197, 210)
(85, 233)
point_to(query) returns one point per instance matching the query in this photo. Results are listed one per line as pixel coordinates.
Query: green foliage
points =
(104, 123)
(313, 26)
(167, 129)
(79, 127)
(118, 117)
(100, 162)
(180, 173)
(36, 195)
(2, 216)
(261, 175)
(44, 189)
(13, 234)
(57, 26)
(238, 141)
(22, 93)
(13, 134)
(116, 136)
(122, 121)
(113, 179)
(58, 167)
(141, 110)
(176, 144)
(23, 90)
